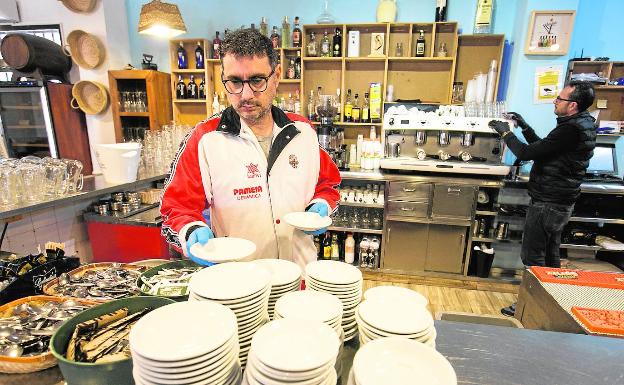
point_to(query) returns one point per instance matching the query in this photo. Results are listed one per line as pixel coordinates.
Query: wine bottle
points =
(199, 56)
(312, 46)
(275, 38)
(285, 33)
(191, 89)
(182, 58)
(337, 44)
(296, 33)
(264, 27)
(216, 44)
(180, 88)
(420, 44)
(202, 88)
(325, 45)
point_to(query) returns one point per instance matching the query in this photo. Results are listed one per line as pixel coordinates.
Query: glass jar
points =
(398, 52)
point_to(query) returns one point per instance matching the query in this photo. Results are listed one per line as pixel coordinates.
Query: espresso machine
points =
(442, 144)
(331, 138)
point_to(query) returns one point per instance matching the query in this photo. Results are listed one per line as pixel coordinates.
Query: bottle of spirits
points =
(335, 248)
(296, 33)
(327, 249)
(223, 102)
(311, 107)
(312, 46)
(202, 88)
(365, 109)
(325, 45)
(275, 38)
(338, 106)
(264, 27)
(216, 43)
(290, 103)
(317, 244)
(337, 44)
(215, 104)
(180, 88)
(440, 14)
(298, 65)
(355, 110)
(199, 56)
(286, 33)
(348, 107)
(349, 249)
(318, 101)
(192, 90)
(182, 58)
(483, 17)
(420, 44)
(297, 103)
(290, 72)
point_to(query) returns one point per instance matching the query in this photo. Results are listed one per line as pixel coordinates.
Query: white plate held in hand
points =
(226, 249)
(307, 221)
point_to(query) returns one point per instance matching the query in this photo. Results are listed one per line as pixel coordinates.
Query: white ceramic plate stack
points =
(307, 221)
(168, 349)
(244, 287)
(293, 351)
(341, 280)
(395, 316)
(311, 305)
(397, 361)
(285, 278)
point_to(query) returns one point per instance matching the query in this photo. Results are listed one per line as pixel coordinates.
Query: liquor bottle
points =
(199, 56)
(202, 88)
(325, 45)
(365, 109)
(338, 106)
(355, 110)
(216, 44)
(337, 44)
(312, 46)
(349, 249)
(318, 101)
(296, 33)
(290, 72)
(317, 244)
(290, 103)
(440, 14)
(264, 27)
(298, 65)
(275, 38)
(223, 102)
(180, 88)
(215, 104)
(297, 103)
(192, 89)
(182, 58)
(420, 44)
(286, 33)
(483, 17)
(335, 248)
(348, 107)
(327, 249)
(311, 107)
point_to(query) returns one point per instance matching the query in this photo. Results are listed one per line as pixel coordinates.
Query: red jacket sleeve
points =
(328, 181)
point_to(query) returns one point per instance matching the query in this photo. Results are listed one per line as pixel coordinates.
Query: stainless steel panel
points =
(409, 191)
(405, 246)
(445, 250)
(453, 201)
(408, 209)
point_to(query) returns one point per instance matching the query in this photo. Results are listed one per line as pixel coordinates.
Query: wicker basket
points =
(49, 287)
(86, 49)
(34, 363)
(80, 6)
(92, 97)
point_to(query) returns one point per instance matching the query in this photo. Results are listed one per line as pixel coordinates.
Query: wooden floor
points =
(444, 298)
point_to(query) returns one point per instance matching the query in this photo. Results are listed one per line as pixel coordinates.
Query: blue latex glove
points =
(201, 235)
(321, 209)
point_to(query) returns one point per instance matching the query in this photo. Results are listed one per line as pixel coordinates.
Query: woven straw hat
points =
(92, 97)
(80, 6)
(86, 49)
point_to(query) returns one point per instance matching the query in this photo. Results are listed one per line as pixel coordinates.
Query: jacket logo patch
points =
(253, 171)
(247, 193)
(293, 161)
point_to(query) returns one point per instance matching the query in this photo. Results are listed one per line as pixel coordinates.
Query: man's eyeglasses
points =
(560, 99)
(257, 84)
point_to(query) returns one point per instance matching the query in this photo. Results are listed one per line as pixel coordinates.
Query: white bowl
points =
(230, 281)
(333, 272)
(283, 272)
(307, 221)
(224, 249)
(158, 334)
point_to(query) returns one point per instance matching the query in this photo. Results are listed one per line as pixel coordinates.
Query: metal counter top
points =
(94, 186)
(382, 176)
(150, 217)
(587, 188)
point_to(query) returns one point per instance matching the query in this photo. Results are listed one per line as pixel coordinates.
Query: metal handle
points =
(408, 189)
(407, 209)
(453, 190)
(461, 240)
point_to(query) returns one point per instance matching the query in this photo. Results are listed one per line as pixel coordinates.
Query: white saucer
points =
(230, 281)
(224, 249)
(307, 221)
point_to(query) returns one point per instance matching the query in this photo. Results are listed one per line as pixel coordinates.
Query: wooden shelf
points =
(189, 101)
(354, 230)
(322, 59)
(188, 71)
(421, 59)
(365, 58)
(135, 114)
(40, 145)
(487, 213)
(290, 49)
(367, 205)
(290, 81)
(26, 126)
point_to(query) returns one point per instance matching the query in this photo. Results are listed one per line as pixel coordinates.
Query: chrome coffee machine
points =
(445, 144)
(331, 138)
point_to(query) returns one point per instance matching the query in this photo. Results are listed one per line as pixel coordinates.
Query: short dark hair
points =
(248, 42)
(583, 94)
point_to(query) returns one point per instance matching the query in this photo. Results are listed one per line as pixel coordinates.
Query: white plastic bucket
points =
(119, 162)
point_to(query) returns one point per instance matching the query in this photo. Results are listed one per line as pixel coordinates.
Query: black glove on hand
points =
(518, 119)
(500, 127)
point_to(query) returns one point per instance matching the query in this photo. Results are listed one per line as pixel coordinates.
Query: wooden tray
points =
(32, 363)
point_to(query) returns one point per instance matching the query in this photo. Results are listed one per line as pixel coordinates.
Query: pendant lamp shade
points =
(161, 19)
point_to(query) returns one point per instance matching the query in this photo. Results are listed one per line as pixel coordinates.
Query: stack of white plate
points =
(387, 291)
(398, 361)
(293, 351)
(342, 280)
(243, 287)
(285, 278)
(184, 343)
(400, 316)
(311, 305)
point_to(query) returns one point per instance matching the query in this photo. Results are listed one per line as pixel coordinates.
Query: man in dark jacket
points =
(560, 162)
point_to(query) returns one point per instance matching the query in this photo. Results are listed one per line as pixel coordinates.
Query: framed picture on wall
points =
(549, 32)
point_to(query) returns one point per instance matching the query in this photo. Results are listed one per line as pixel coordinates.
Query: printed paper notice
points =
(548, 84)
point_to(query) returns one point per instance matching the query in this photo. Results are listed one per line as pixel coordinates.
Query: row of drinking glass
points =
(160, 148)
(358, 218)
(133, 101)
(485, 110)
(32, 179)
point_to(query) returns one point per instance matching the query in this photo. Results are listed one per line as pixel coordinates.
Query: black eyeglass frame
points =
(560, 99)
(248, 82)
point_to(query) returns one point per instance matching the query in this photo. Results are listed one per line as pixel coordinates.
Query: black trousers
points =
(542, 233)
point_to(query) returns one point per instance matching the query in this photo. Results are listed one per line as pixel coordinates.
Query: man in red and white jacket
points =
(250, 166)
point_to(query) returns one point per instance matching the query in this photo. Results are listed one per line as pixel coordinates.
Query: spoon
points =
(12, 351)
(6, 331)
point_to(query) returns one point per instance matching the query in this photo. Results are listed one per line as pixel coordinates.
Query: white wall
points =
(109, 23)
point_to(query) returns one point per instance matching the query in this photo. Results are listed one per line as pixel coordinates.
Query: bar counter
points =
(487, 355)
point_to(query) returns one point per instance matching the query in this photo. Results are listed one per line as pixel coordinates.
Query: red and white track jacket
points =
(221, 166)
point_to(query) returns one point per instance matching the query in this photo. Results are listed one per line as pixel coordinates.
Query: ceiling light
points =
(161, 19)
